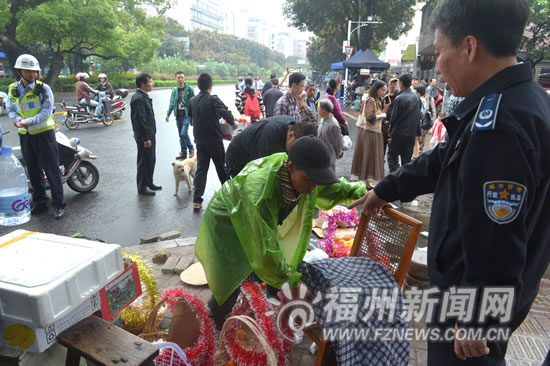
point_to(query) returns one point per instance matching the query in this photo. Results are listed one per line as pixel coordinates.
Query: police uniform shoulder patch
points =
(503, 200)
(486, 115)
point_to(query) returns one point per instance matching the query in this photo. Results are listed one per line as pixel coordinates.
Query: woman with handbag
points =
(368, 157)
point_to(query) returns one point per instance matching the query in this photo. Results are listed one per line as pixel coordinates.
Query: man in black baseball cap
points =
(311, 154)
(258, 225)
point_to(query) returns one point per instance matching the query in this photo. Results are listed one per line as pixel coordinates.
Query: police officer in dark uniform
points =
(489, 220)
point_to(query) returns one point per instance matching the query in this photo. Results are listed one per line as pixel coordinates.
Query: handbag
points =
(360, 118)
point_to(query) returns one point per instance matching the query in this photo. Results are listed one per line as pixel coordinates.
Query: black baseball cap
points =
(311, 154)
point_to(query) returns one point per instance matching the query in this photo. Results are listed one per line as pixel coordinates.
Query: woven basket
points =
(254, 338)
(150, 330)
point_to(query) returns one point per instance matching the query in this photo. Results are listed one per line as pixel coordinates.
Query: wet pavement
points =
(113, 211)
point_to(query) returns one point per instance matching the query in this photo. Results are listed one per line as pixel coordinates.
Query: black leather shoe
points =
(155, 188)
(58, 213)
(146, 192)
(38, 210)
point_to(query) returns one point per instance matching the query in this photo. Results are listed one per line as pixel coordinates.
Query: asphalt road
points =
(113, 211)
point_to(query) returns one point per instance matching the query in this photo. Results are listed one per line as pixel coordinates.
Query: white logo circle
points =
(486, 114)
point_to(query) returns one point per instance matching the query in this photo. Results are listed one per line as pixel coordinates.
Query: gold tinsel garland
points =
(135, 315)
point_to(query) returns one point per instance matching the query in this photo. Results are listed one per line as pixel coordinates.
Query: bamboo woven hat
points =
(194, 275)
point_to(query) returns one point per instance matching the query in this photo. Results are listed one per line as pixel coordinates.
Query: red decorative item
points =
(255, 305)
(202, 353)
(349, 218)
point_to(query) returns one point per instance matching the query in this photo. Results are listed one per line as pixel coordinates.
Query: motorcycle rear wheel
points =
(107, 119)
(70, 123)
(85, 178)
(117, 115)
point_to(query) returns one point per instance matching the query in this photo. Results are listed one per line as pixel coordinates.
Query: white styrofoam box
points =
(20, 336)
(43, 277)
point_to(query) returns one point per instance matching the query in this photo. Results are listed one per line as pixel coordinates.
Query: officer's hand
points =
(465, 348)
(22, 124)
(372, 204)
(147, 144)
(167, 119)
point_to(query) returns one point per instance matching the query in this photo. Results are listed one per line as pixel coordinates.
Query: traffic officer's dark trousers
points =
(442, 353)
(40, 153)
(146, 159)
(400, 146)
(205, 151)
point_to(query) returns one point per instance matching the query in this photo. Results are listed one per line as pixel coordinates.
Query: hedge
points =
(119, 81)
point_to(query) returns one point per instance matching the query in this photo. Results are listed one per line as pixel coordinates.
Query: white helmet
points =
(82, 75)
(104, 76)
(27, 62)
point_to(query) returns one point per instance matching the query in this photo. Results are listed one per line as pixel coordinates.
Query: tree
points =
(170, 45)
(56, 28)
(328, 20)
(536, 38)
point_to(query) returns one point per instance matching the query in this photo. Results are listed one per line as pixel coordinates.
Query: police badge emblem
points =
(503, 200)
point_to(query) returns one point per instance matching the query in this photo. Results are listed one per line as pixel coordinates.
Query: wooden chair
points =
(390, 240)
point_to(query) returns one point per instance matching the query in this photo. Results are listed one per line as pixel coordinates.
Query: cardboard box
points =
(20, 336)
(120, 292)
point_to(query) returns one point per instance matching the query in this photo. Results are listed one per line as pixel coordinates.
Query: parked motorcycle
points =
(118, 103)
(79, 113)
(77, 170)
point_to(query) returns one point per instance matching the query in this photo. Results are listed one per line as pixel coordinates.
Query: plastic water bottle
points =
(14, 192)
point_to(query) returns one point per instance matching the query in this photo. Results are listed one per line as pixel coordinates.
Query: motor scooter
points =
(81, 113)
(77, 170)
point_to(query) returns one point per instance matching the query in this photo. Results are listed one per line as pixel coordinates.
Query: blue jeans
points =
(183, 127)
(94, 102)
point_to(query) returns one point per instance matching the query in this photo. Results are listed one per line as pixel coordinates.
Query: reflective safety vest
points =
(29, 106)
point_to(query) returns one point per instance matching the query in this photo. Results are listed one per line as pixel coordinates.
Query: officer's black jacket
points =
(142, 116)
(466, 247)
(261, 139)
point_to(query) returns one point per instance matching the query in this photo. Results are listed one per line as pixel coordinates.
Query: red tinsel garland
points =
(202, 353)
(258, 308)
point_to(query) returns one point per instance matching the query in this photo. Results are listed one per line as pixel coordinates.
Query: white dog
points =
(185, 170)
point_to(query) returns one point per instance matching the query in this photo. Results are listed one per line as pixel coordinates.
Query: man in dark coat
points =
(489, 231)
(144, 126)
(206, 110)
(269, 136)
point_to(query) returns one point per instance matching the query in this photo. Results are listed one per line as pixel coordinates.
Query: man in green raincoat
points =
(259, 223)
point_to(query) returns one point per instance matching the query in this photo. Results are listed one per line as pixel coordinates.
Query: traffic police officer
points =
(30, 106)
(491, 181)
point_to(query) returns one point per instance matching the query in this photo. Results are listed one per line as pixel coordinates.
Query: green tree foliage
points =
(206, 45)
(536, 40)
(328, 20)
(170, 45)
(109, 29)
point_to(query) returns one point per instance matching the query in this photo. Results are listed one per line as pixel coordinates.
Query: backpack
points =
(252, 107)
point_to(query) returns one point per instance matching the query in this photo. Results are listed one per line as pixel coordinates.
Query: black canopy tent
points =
(367, 60)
